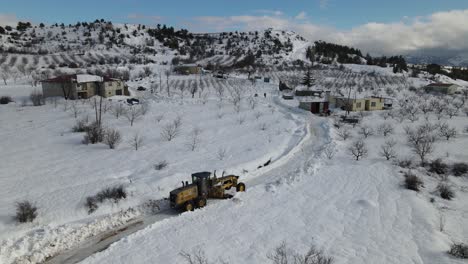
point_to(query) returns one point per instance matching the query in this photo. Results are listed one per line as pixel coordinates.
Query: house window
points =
(373, 104)
(358, 105)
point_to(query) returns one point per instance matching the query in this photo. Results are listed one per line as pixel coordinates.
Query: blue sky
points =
(341, 14)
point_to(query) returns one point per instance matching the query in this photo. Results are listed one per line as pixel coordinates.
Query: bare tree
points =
(422, 141)
(75, 109)
(446, 131)
(194, 139)
(252, 102)
(385, 129)
(358, 149)
(118, 110)
(283, 255)
(5, 73)
(240, 119)
(413, 112)
(387, 150)
(366, 131)
(221, 153)
(220, 92)
(451, 111)
(344, 133)
(171, 130)
(193, 89)
(168, 74)
(439, 108)
(425, 108)
(198, 257)
(236, 93)
(112, 138)
(459, 103)
(159, 118)
(147, 71)
(329, 150)
(136, 141)
(133, 113)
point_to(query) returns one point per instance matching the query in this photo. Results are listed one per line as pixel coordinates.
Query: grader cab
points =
(203, 186)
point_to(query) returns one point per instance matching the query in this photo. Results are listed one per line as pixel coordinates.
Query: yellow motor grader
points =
(194, 195)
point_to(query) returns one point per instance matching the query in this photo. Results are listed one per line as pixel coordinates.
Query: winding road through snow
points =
(282, 166)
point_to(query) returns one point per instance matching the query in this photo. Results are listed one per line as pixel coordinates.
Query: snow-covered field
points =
(356, 211)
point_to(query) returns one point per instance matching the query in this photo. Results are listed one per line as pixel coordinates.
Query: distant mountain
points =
(448, 60)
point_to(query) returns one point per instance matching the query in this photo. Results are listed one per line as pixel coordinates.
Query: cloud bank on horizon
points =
(443, 32)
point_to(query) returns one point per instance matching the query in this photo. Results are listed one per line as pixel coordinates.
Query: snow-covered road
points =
(280, 166)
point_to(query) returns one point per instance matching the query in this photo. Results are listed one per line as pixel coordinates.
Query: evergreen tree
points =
(307, 80)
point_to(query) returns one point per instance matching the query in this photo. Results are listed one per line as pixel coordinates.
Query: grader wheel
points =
(240, 187)
(189, 206)
(201, 203)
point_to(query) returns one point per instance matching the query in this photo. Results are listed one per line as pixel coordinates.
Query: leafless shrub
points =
(111, 193)
(258, 115)
(263, 126)
(387, 150)
(161, 165)
(159, 118)
(194, 139)
(358, 149)
(221, 153)
(385, 129)
(197, 257)
(445, 191)
(36, 98)
(412, 182)
(458, 169)
(94, 134)
(136, 141)
(344, 133)
(220, 115)
(329, 150)
(283, 255)
(25, 212)
(81, 125)
(366, 131)
(405, 163)
(459, 251)
(112, 138)
(5, 99)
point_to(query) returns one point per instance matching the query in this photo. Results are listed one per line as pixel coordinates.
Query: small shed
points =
(315, 105)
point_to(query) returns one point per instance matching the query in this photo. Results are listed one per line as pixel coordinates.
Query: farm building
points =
(358, 104)
(82, 86)
(315, 105)
(187, 69)
(442, 88)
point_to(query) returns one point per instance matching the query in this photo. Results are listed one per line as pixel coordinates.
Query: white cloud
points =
(301, 16)
(8, 19)
(269, 12)
(445, 31)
